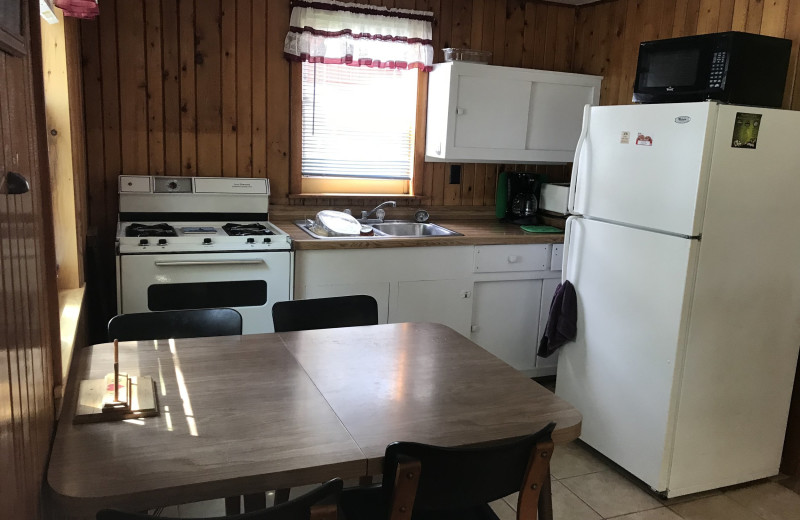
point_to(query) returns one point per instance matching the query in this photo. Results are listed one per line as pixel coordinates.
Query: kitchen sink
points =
(389, 229)
(414, 229)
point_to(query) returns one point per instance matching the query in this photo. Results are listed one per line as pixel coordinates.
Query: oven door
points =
(248, 282)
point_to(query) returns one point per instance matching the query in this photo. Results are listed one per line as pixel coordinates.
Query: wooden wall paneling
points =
(792, 31)
(132, 86)
(585, 35)
(186, 20)
(72, 38)
(39, 332)
(540, 36)
(773, 20)
(171, 73)
(112, 153)
(755, 10)
(15, 418)
(27, 282)
(155, 88)
(208, 88)
(666, 18)
(725, 19)
(679, 20)
(277, 103)
(244, 96)
(615, 72)
(565, 40)
(418, 179)
(461, 31)
(708, 15)
(739, 15)
(59, 144)
(228, 78)
(498, 56)
(264, 55)
(514, 33)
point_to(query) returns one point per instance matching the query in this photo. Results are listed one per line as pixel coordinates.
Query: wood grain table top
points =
(243, 414)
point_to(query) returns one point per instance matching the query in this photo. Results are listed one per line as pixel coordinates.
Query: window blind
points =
(358, 122)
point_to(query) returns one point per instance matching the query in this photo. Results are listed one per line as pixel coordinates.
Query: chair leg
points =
(255, 502)
(281, 496)
(232, 505)
(534, 495)
(546, 500)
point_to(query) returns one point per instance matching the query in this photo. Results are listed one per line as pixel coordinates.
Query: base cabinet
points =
(505, 320)
(498, 296)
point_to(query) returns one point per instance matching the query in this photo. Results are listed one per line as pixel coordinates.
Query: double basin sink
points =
(389, 229)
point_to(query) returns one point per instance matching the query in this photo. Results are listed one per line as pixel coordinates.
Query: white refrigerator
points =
(684, 250)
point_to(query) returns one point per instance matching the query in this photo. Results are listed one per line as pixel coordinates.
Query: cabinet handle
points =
(461, 111)
(513, 259)
(474, 328)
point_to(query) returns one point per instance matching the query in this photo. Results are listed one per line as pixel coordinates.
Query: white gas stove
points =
(199, 242)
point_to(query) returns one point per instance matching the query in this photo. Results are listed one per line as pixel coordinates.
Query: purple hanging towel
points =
(562, 323)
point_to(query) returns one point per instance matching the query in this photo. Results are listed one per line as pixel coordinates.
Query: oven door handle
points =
(182, 263)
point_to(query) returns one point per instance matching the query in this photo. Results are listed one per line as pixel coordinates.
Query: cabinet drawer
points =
(497, 259)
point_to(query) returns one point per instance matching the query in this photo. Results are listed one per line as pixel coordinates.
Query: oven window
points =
(675, 68)
(204, 295)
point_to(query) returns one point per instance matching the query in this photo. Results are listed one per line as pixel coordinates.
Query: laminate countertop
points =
(475, 232)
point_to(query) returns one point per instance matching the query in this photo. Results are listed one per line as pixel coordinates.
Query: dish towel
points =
(562, 323)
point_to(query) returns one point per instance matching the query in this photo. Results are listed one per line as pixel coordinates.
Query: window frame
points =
(413, 188)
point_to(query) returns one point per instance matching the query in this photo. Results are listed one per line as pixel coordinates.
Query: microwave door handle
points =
(183, 263)
(573, 182)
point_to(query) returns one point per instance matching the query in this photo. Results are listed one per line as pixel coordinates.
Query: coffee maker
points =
(517, 198)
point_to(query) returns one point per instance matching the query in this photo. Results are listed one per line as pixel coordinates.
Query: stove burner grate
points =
(240, 230)
(155, 230)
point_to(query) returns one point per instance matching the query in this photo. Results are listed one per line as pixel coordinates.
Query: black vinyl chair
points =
(424, 482)
(192, 323)
(306, 507)
(325, 313)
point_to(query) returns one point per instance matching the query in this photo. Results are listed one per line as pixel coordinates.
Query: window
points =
(358, 128)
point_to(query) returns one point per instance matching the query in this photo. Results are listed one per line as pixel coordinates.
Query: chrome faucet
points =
(378, 210)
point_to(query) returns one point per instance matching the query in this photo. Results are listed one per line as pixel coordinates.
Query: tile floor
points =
(587, 487)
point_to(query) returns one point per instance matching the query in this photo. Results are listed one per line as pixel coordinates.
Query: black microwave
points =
(732, 67)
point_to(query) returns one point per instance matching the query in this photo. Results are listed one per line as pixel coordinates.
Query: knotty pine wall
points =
(201, 87)
(607, 35)
(28, 304)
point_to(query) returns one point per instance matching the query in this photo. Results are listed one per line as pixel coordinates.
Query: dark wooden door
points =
(28, 304)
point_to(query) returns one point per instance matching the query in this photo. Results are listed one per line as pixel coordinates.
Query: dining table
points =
(251, 413)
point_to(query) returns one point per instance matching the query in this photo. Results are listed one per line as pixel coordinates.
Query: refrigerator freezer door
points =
(621, 373)
(646, 165)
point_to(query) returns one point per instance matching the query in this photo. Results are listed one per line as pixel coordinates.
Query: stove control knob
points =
(143, 242)
(267, 240)
(206, 240)
(251, 240)
(162, 241)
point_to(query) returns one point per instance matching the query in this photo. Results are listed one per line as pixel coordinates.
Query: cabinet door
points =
(448, 302)
(378, 290)
(491, 113)
(548, 290)
(556, 115)
(505, 320)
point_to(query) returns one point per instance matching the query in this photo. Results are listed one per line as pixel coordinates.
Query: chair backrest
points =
(193, 323)
(421, 477)
(325, 313)
(305, 507)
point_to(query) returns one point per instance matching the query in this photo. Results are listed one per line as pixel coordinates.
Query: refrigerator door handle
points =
(573, 183)
(565, 255)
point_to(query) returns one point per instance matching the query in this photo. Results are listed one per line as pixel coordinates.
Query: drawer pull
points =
(514, 259)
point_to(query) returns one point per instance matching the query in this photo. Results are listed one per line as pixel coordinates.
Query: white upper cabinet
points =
(484, 113)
